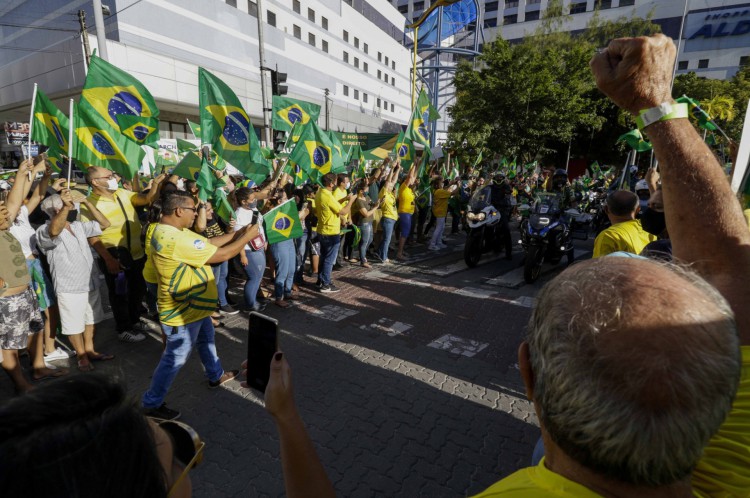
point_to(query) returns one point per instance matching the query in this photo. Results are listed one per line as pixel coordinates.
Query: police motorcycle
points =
(545, 235)
(483, 221)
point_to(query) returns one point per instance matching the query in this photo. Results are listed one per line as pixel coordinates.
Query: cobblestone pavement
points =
(407, 381)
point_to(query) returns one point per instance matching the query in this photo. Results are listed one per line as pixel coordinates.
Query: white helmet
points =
(641, 185)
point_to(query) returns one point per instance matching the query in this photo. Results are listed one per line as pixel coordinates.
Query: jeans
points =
(387, 224)
(220, 276)
(256, 265)
(437, 235)
(285, 257)
(126, 309)
(300, 246)
(151, 293)
(329, 248)
(180, 342)
(366, 229)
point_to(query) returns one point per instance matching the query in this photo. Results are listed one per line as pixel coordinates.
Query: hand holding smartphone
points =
(262, 344)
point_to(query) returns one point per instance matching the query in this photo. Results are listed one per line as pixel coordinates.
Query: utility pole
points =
(101, 40)
(328, 118)
(263, 69)
(84, 36)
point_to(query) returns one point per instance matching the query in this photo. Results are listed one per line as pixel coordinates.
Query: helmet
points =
(641, 185)
(560, 172)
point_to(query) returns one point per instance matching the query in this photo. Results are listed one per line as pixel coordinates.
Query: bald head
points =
(622, 203)
(635, 367)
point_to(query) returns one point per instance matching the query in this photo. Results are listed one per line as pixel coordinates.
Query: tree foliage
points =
(533, 98)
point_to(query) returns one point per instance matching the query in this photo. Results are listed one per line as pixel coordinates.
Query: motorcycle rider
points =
(643, 193)
(501, 192)
(566, 198)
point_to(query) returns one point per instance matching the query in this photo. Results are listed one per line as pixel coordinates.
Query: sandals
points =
(100, 357)
(85, 367)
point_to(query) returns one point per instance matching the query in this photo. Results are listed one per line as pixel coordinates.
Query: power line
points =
(14, 25)
(30, 49)
(45, 72)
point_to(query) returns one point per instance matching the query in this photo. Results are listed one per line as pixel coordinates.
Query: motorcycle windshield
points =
(481, 199)
(547, 204)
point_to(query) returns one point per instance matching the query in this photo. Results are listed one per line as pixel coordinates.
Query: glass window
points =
(578, 8)
(365, 67)
(356, 62)
(379, 103)
(346, 56)
(296, 6)
(393, 63)
(380, 57)
(356, 42)
(532, 15)
(491, 23)
(403, 9)
(393, 81)
(490, 6)
(702, 63)
(604, 4)
(346, 36)
(366, 48)
(164, 129)
(509, 4)
(324, 46)
(627, 3)
(311, 39)
(510, 19)
(386, 59)
(324, 22)
(356, 94)
(385, 105)
(744, 60)
(179, 130)
(297, 31)
(392, 108)
(311, 15)
(271, 18)
(364, 97)
(380, 74)
(683, 65)
(346, 91)
(232, 3)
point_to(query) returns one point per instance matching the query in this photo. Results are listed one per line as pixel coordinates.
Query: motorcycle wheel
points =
(533, 265)
(473, 250)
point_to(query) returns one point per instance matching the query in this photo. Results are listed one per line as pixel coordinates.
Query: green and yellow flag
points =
(702, 117)
(225, 124)
(314, 152)
(50, 124)
(120, 100)
(635, 140)
(189, 167)
(282, 222)
(417, 130)
(97, 143)
(404, 149)
(287, 112)
(56, 160)
(426, 109)
(339, 161)
(195, 129)
(222, 207)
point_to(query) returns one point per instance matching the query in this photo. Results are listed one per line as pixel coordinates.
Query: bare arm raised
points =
(704, 218)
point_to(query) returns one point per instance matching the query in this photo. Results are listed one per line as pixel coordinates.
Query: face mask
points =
(653, 221)
(180, 184)
(112, 184)
(348, 185)
(252, 205)
(643, 203)
(72, 215)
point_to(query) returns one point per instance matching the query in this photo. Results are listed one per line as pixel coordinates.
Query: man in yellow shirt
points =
(187, 295)
(405, 209)
(640, 372)
(119, 248)
(443, 191)
(329, 229)
(626, 233)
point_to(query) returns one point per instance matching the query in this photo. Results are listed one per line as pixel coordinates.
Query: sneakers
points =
(228, 310)
(329, 289)
(162, 413)
(258, 307)
(140, 327)
(129, 336)
(59, 354)
(226, 377)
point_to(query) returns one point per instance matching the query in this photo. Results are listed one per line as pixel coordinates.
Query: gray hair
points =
(51, 205)
(636, 405)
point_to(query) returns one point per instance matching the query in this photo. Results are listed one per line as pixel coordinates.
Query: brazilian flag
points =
(426, 109)
(287, 112)
(282, 222)
(314, 152)
(635, 140)
(222, 207)
(189, 167)
(121, 100)
(195, 129)
(50, 124)
(404, 149)
(225, 124)
(705, 121)
(417, 130)
(56, 160)
(97, 143)
(339, 162)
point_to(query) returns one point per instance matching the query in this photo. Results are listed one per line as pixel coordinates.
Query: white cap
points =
(641, 185)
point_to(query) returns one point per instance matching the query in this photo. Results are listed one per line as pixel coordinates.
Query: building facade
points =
(352, 48)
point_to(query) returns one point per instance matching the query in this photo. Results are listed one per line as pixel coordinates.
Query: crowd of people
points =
(638, 370)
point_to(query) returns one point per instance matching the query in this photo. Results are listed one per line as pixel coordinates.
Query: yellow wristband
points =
(663, 112)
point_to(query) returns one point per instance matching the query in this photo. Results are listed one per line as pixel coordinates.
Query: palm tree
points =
(720, 108)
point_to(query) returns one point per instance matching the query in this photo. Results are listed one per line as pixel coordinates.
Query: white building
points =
(352, 48)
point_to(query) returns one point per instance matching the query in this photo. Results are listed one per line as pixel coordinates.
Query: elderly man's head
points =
(635, 365)
(52, 205)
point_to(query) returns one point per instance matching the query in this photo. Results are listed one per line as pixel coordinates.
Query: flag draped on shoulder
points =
(50, 124)
(121, 101)
(287, 112)
(282, 222)
(98, 144)
(224, 123)
(314, 152)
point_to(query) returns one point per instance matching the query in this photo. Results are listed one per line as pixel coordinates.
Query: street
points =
(407, 380)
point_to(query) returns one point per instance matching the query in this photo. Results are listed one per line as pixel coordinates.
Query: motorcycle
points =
(544, 236)
(482, 220)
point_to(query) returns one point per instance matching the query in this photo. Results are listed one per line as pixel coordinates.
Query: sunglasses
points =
(187, 444)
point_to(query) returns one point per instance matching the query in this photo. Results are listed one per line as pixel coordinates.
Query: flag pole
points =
(31, 127)
(414, 69)
(70, 143)
(624, 170)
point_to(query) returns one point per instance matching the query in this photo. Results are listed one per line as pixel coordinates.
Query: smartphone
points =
(262, 344)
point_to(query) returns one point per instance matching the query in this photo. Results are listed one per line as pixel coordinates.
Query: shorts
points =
(20, 315)
(314, 246)
(40, 284)
(78, 310)
(405, 223)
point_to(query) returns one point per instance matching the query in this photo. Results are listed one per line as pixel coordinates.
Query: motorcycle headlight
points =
(481, 216)
(471, 216)
(544, 221)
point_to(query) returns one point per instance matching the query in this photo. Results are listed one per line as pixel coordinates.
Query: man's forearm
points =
(223, 239)
(98, 216)
(228, 251)
(57, 225)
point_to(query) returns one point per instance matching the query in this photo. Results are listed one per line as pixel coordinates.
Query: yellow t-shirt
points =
(627, 236)
(187, 291)
(149, 272)
(723, 470)
(405, 199)
(328, 208)
(341, 196)
(116, 235)
(388, 206)
(440, 203)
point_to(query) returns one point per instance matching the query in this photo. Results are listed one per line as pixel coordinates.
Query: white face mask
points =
(180, 184)
(348, 185)
(112, 184)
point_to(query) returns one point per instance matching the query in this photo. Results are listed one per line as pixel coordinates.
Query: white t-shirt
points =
(22, 230)
(244, 218)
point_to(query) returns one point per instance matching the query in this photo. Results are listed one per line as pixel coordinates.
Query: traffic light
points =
(277, 83)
